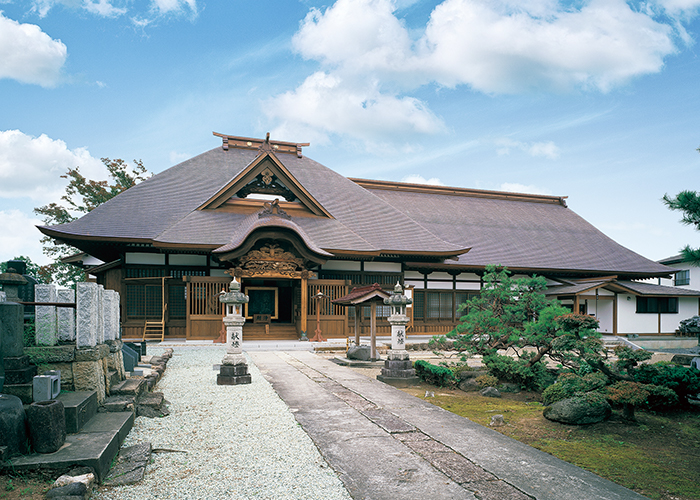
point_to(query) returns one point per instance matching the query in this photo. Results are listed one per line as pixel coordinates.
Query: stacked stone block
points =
(45, 320)
(66, 316)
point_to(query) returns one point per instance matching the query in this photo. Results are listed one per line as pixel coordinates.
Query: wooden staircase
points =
(276, 332)
(155, 330)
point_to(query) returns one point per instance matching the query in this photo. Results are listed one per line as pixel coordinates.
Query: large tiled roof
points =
(517, 232)
(163, 210)
(533, 233)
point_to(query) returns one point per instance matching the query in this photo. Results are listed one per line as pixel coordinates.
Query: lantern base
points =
(233, 375)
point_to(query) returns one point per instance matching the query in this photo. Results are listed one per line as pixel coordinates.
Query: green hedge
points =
(434, 375)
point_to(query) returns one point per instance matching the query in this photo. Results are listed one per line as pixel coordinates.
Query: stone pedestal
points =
(234, 367)
(398, 369)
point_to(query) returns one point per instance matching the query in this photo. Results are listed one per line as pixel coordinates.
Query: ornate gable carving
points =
(271, 260)
(266, 182)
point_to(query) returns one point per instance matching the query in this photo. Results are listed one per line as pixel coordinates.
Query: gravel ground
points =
(241, 441)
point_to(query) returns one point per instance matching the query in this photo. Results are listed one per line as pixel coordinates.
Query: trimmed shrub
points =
(516, 371)
(434, 375)
(487, 381)
(569, 385)
(683, 380)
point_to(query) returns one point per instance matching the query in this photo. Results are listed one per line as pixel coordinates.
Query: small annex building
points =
(288, 227)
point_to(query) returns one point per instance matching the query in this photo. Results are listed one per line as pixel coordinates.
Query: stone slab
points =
(91, 449)
(16, 362)
(129, 387)
(233, 370)
(121, 422)
(399, 381)
(81, 406)
(22, 391)
(21, 376)
(54, 354)
(529, 471)
(226, 380)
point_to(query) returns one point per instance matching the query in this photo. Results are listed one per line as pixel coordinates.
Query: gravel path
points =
(242, 441)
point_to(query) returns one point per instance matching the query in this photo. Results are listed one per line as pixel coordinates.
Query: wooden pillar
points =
(358, 311)
(373, 333)
(304, 303)
(576, 304)
(615, 313)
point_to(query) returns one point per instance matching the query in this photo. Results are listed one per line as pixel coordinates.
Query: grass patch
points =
(658, 457)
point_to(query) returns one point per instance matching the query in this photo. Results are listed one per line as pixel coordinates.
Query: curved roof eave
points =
(271, 222)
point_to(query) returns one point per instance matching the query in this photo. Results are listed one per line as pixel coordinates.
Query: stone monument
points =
(234, 368)
(398, 369)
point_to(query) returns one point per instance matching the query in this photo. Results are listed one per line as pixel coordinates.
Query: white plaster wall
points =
(219, 272)
(468, 286)
(439, 285)
(439, 276)
(383, 267)
(341, 265)
(468, 276)
(631, 322)
(413, 275)
(687, 308)
(605, 316)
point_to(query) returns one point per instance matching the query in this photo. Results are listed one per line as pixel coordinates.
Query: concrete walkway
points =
(386, 444)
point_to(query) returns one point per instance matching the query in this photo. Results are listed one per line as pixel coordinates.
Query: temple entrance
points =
(273, 308)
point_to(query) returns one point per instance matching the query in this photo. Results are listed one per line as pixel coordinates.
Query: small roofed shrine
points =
(360, 296)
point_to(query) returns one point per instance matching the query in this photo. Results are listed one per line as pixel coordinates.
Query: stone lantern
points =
(398, 370)
(234, 368)
(11, 281)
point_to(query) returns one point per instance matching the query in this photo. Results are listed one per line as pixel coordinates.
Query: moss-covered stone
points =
(53, 354)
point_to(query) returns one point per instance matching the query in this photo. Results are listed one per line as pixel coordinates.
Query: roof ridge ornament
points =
(272, 209)
(262, 145)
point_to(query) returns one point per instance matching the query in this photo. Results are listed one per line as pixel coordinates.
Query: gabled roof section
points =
(362, 294)
(267, 165)
(524, 232)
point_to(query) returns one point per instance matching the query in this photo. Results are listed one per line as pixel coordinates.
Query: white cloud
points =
(174, 6)
(514, 187)
(419, 179)
(103, 8)
(493, 47)
(20, 237)
(679, 6)
(330, 104)
(32, 166)
(368, 55)
(29, 55)
(537, 149)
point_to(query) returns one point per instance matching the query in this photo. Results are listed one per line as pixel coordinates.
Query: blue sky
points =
(595, 100)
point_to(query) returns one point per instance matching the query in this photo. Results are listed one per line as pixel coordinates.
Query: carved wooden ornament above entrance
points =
(270, 261)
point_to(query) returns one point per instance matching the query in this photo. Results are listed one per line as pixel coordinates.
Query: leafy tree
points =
(514, 313)
(687, 202)
(83, 195)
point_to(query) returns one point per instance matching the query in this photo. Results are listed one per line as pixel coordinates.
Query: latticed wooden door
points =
(204, 310)
(333, 318)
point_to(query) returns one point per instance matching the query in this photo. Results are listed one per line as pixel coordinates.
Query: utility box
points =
(47, 386)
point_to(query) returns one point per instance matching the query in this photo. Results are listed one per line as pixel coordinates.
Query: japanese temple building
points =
(288, 227)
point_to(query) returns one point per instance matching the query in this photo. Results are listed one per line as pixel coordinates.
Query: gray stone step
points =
(80, 407)
(94, 446)
(129, 387)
